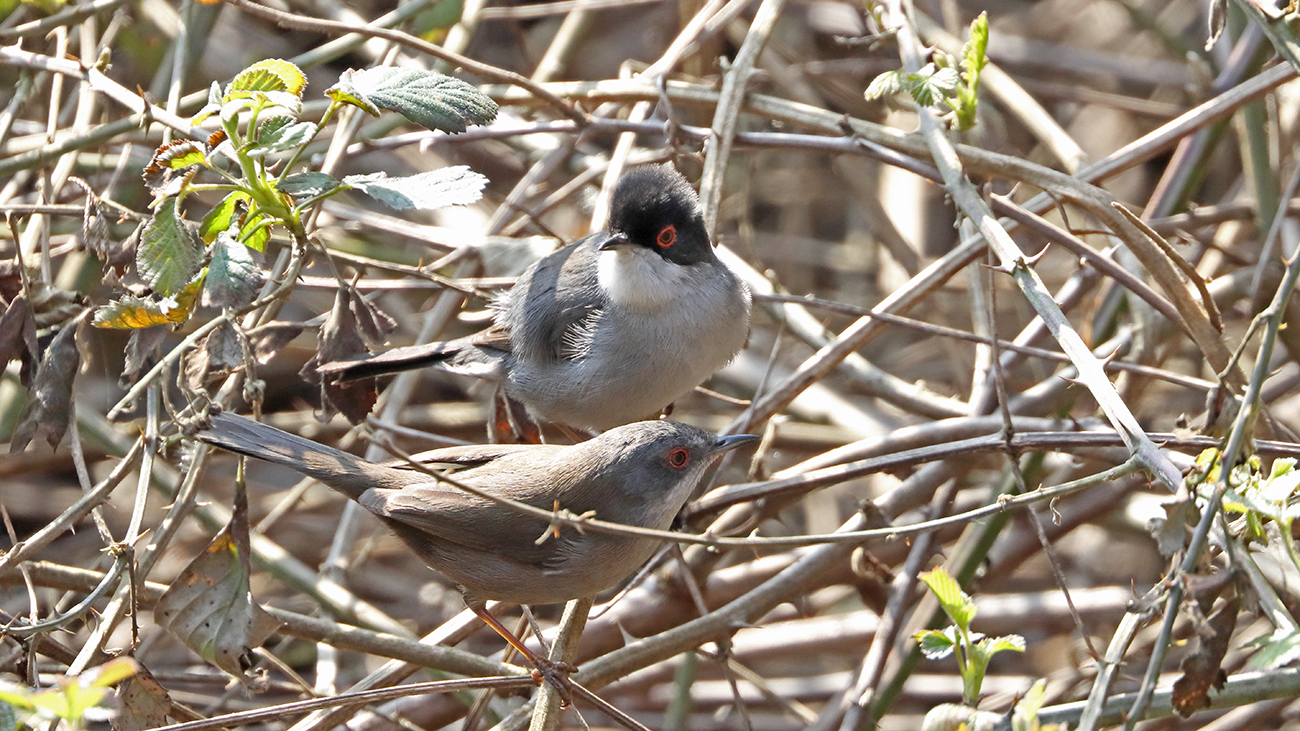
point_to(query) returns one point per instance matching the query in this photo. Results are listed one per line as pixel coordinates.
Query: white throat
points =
(640, 279)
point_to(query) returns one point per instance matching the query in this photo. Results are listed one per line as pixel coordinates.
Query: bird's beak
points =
(728, 443)
(614, 241)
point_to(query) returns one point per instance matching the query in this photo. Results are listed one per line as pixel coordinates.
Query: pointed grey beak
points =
(728, 443)
(614, 241)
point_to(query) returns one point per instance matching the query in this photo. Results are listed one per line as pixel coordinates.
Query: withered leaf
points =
(95, 232)
(172, 165)
(375, 324)
(50, 403)
(209, 606)
(53, 305)
(142, 351)
(142, 703)
(18, 338)
(271, 338)
(11, 279)
(340, 339)
(1172, 531)
(1202, 669)
(217, 356)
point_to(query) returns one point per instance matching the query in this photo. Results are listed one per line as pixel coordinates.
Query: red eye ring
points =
(667, 236)
(678, 457)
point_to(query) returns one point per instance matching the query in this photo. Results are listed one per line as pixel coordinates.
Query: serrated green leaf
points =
(234, 276)
(451, 186)
(270, 75)
(221, 216)
(973, 53)
(1281, 488)
(973, 60)
(936, 644)
(306, 185)
(931, 85)
(994, 645)
(1281, 466)
(169, 252)
(279, 134)
(432, 100)
(888, 83)
(956, 603)
(191, 156)
(343, 93)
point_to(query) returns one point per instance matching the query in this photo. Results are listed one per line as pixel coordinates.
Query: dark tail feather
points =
(392, 361)
(344, 472)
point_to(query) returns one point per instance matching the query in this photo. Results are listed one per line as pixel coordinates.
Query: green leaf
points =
(272, 75)
(221, 216)
(1280, 488)
(212, 107)
(169, 252)
(956, 603)
(890, 82)
(1024, 717)
(937, 644)
(931, 85)
(1282, 649)
(973, 60)
(306, 185)
(994, 645)
(432, 100)
(77, 699)
(15, 696)
(252, 233)
(451, 186)
(114, 671)
(234, 276)
(279, 134)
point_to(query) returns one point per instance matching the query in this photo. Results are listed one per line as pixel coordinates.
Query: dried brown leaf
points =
(1202, 669)
(217, 356)
(209, 606)
(50, 404)
(271, 338)
(142, 703)
(341, 339)
(18, 338)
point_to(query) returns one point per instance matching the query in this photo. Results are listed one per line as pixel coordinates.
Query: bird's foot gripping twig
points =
(544, 670)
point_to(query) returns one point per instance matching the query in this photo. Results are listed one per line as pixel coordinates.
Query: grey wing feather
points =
(469, 455)
(560, 292)
(453, 515)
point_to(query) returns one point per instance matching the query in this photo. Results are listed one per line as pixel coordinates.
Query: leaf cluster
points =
(944, 81)
(973, 650)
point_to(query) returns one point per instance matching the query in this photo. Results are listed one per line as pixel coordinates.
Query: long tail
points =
(344, 472)
(391, 361)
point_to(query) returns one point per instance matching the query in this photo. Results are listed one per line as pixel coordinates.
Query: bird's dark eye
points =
(678, 457)
(667, 236)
